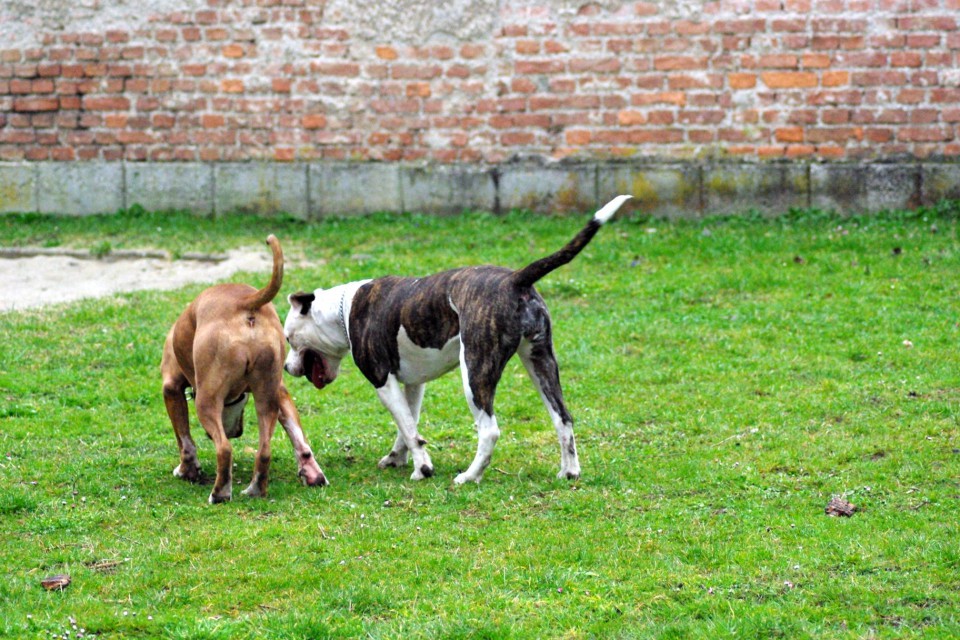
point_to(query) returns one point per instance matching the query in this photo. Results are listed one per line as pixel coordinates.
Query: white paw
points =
(252, 491)
(393, 460)
(213, 499)
(569, 474)
(464, 478)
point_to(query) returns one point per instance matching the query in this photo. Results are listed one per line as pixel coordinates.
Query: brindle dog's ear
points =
(301, 301)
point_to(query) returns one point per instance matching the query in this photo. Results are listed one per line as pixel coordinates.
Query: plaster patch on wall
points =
(414, 22)
(22, 23)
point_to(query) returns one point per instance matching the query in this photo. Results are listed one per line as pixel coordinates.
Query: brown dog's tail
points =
(269, 292)
(535, 270)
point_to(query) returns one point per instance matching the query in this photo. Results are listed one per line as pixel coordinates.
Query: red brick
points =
(516, 138)
(815, 60)
(553, 47)
(789, 134)
(522, 85)
(836, 117)
(579, 137)
(608, 65)
(403, 71)
(800, 150)
(674, 63)
(471, 51)
(32, 105)
(386, 53)
(740, 81)
(93, 103)
(677, 98)
(418, 90)
(629, 118)
(834, 134)
(233, 50)
(779, 61)
(527, 47)
(925, 134)
(789, 79)
(232, 86)
(532, 67)
(835, 78)
(771, 151)
(906, 59)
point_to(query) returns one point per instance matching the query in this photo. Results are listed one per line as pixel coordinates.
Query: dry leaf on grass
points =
(58, 582)
(840, 508)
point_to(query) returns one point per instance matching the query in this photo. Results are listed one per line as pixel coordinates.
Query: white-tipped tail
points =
(610, 208)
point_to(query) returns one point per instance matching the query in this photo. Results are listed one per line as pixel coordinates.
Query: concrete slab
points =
(662, 191)
(179, 186)
(939, 182)
(732, 189)
(261, 188)
(79, 188)
(840, 188)
(354, 188)
(893, 186)
(342, 188)
(560, 188)
(18, 188)
(448, 189)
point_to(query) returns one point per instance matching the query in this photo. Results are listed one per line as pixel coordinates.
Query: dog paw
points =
(568, 475)
(309, 480)
(394, 460)
(253, 491)
(463, 478)
(215, 499)
(425, 471)
(190, 474)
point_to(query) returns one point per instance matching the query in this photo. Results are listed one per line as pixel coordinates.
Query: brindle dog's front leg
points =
(397, 403)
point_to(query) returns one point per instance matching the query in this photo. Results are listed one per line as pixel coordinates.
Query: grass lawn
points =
(728, 377)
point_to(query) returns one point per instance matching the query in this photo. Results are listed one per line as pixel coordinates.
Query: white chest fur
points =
(419, 364)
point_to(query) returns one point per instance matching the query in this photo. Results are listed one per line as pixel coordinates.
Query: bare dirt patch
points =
(35, 278)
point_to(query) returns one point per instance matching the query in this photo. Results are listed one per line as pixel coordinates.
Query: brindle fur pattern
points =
(487, 313)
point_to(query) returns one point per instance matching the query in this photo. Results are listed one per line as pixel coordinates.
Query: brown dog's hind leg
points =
(267, 413)
(209, 412)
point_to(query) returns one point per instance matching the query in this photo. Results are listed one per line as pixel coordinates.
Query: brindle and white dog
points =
(404, 332)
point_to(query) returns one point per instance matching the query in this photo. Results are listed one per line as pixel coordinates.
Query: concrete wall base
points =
(316, 190)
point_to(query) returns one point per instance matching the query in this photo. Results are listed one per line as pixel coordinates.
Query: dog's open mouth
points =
(316, 370)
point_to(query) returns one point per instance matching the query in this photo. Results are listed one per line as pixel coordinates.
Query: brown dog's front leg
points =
(175, 400)
(310, 473)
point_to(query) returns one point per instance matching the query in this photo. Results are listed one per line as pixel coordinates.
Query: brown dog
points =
(227, 344)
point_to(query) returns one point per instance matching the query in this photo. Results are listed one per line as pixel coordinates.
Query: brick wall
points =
(478, 81)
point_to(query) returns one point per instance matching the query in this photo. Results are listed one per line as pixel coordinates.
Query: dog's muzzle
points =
(316, 369)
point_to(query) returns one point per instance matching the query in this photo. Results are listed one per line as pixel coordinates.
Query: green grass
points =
(728, 377)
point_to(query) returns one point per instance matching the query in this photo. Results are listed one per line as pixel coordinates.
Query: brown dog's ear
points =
(301, 301)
